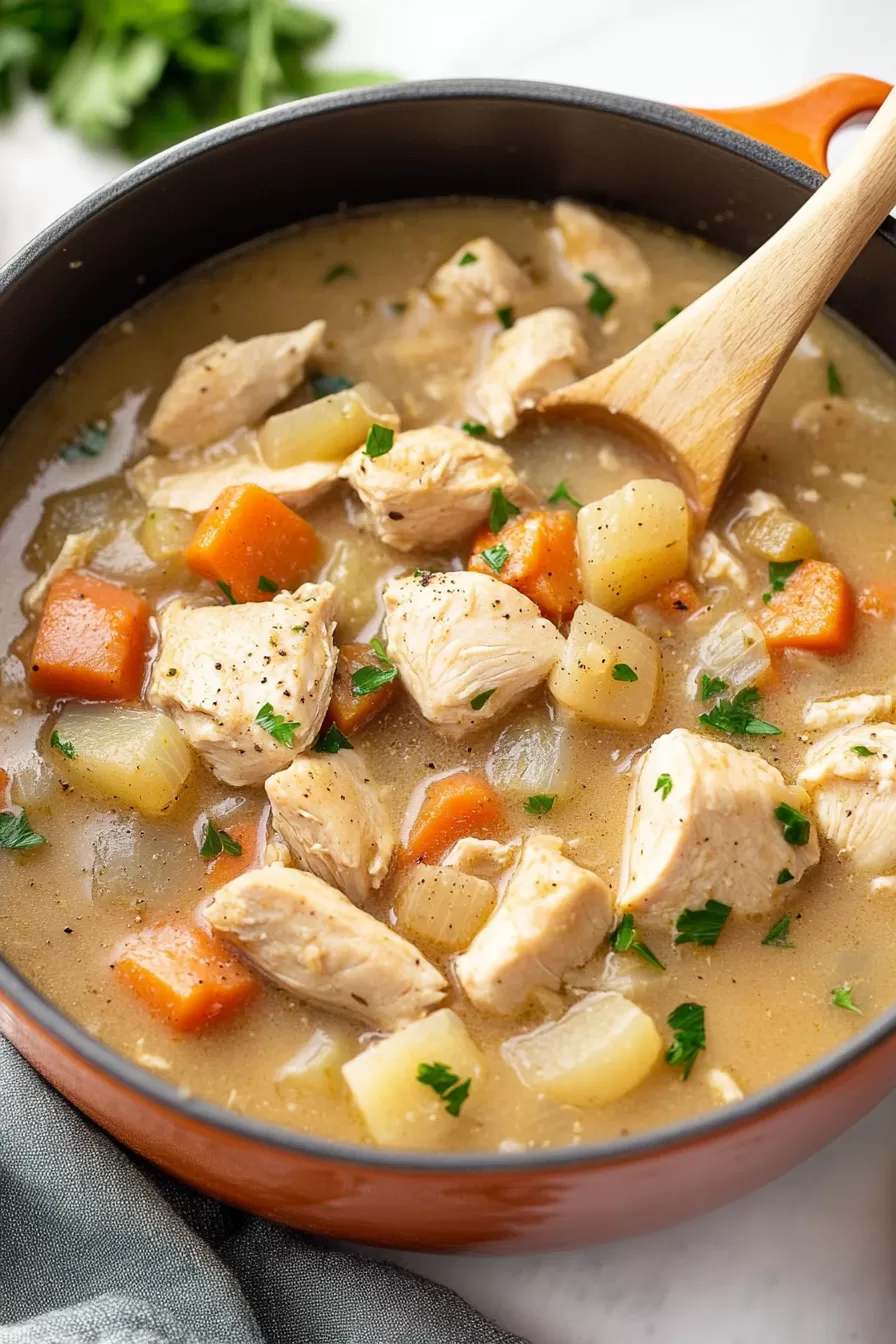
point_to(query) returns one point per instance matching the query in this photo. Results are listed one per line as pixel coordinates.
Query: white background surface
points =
(813, 1257)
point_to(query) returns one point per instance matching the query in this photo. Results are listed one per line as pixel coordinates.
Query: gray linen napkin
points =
(97, 1247)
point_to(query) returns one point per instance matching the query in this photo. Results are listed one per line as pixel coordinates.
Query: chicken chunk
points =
(309, 939)
(219, 667)
(229, 384)
(330, 815)
(587, 244)
(478, 279)
(433, 487)
(710, 834)
(553, 916)
(486, 859)
(76, 551)
(467, 646)
(852, 779)
(537, 355)
(196, 490)
(713, 563)
(830, 416)
(847, 709)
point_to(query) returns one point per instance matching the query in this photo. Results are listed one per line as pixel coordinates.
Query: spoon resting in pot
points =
(693, 388)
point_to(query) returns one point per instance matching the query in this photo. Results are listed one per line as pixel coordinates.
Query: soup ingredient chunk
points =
(454, 807)
(187, 976)
(535, 552)
(252, 545)
(76, 551)
(348, 710)
(770, 531)
(433, 486)
(328, 811)
(589, 244)
(313, 942)
(444, 906)
(125, 756)
(229, 384)
(553, 916)
(488, 859)
(468, 647)
(601, 1049)
(91, 642)
(735, 650)
(400, 1109)
(194, 491)
(326, 430)
(632, 542)
(714, 835)
(714, 565)
(537, 355)
(247, 685)
(609, 672)
(852, 779)
(478, 280)
(814, 610)
(847, 709)
(317, 1065)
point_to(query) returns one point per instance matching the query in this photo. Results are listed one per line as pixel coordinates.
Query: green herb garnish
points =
(495, 557)
(663, 785)
(779, 571)
(67, 748)
(227, 591)
(835, 385)
(784, 877)
(560, 494)
(841, 997)
(797, 828)
(736, 716)
(623, 939)
(215, 842)
(326, 384)
(379, 440)
(474, 428)
(89, 440)
(702, 926)
(467, 259)
(601, 299)
(861, 750)
(479, 700)
(502, 509)
(366, 680)
(16, 832)
(622, 672)
(777, 934)
(276, 725)
(505, 317)
(670, 313)
(539, 804)
(331, 740)
(447, 1084)
(339, 272)
(710, 687)
(266, 585)
(688, 1022)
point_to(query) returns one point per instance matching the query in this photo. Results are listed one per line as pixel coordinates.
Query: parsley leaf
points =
(736, 716)
(479, 700)
(16, 832)
(505, 317)
(331, 740)
(467, 259)
(67, 748)
(495, 557)
(326, 384)
(560, 494)
(710, 687)
(380, 652)
(601, 299)
(215, 842)
(688, 1022)
(540, 804)
(841, 997)
(797, 828)
(702, 926)
(663, 785)
(777, 934)
(379, 440)
(338, 272)
(88, 441)
(474, 428)
(266, 585)
(446, 1084)
(276, 725)
(623, 939)
(502, 509)
(861, 750)
(779, 571)
(835, 385)
(366, 680)
(784, 877)
(622, 672)
(227, 591)
(670, 313)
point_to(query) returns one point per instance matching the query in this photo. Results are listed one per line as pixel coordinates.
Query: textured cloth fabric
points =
(97, 1247)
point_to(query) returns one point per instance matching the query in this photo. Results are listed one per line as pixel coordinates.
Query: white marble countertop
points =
(813, 1256)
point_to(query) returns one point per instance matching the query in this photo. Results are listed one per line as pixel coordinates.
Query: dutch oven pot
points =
(400, 142)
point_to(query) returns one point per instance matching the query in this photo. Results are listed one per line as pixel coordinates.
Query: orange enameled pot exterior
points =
(133, 236)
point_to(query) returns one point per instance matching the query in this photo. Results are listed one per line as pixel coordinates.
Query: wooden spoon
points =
(694, 387)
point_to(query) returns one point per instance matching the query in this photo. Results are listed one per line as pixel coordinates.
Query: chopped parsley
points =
(266, 585)
(87, 441)
(670, 313)
(560, 494)
(467, 259)
(861, 750)
(446, 1084)
(215, 842)
(16, 832)
(495, 557)
(325, 384)
(702, 926)
(710, 687)
(736, 716)
(835, 383)
(475, 428)
(663, 785)
(777, 934)
(276, 725)
(540, 804)
(479, 700)
(622, 672)
(67, 748)
(623, 939)
(501, 511)
(380, 650)
(227, 591)
(779, 571)
(841, 997)
(601, 299)
(337, 272)
(366, 680)
(331, 740)
(379, 440)
(688, 1022)
(784, 877)
(797, 828)
(505, 317)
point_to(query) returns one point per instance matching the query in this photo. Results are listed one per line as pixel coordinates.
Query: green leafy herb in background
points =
(142, 74)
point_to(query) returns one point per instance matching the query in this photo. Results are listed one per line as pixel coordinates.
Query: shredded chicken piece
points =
(852, 778)
(537, 355)
(196, 490)
(588, 244)
(847, 709)
(76, 551)
(478, 279)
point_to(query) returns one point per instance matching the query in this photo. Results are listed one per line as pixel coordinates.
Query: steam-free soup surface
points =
(823, 447)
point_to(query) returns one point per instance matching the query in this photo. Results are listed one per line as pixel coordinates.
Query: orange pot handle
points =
(802, 125)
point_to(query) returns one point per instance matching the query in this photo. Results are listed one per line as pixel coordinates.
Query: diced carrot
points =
(878, 599)
(92, 640)
(252, 543)
(348, 711)
(251, 837)
(456, 806)
(815, 610)
(186, 975)
(677, 598)
(4, 787)
(542, 561)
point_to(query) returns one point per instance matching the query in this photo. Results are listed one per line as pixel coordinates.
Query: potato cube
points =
(777, 535)
(444, 906)
(326, 430)
(129, 757)
(399, 1110)
(632, 542)
(609, 672)
(600, 1050)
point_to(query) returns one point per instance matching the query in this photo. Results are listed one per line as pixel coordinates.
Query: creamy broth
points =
(105, 873)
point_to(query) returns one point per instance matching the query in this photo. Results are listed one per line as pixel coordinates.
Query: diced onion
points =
(34, 785)
(444, 906)
(325, 430)
(735, 650)
(777, 535)
(165, 533)
(532, 755)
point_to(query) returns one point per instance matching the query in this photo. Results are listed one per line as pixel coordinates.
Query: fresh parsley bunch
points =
(143, 74)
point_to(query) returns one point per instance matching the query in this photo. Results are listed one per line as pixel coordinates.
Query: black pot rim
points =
(156, 1090)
